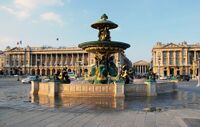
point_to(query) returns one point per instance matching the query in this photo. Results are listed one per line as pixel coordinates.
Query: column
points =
(195, 56)
(36, 60)
(188, 55)
(18, 59)
(180, 61)
(83, 59)
(45, 60)
(56, 59)
(31, 60)
(186, 59)
(41, 60)
(77, 57)
(72, 59)
(174, 58)
(51, 60)
(61, 61)
(186, 63)
(161, 58)
(66, 59)
(168, 55)
(154, 59)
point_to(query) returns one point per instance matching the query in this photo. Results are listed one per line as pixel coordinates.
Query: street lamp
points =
(18, 72)
(38, 60)
(198, 85)
(159, 67)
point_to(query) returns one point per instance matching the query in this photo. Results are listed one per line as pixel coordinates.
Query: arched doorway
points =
(43, 72)
(48, 72)
(171, 71)
(38, 71)
(165, 72)
(178, 72)
(33, 72)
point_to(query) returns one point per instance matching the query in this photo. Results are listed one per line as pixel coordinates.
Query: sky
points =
(142, 23)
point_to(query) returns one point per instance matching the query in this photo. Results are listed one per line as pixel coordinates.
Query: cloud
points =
(23, 9)
(21, 14)
(32, 4)
(52, 17)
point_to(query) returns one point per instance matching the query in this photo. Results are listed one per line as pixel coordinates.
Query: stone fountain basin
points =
(103, 46)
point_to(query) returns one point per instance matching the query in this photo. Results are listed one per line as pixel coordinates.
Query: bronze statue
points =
(104, 34)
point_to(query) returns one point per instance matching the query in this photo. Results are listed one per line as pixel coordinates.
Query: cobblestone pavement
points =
(178, 110)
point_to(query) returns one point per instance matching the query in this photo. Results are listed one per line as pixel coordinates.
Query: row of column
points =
(140, 69)
(15, 60)
(54, 59)
(172, 58)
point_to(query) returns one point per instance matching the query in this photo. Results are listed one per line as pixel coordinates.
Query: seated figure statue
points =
(65, 76)
(104, 34)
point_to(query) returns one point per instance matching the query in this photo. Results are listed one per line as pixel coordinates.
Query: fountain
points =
(104, 69)
(103, 76)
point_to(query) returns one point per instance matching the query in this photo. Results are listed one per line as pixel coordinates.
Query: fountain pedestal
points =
(52, 89)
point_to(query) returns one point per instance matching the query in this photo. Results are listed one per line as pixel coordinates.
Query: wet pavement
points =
(17, 109)
(14, 94)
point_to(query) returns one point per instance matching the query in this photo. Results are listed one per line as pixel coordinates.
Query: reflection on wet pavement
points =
(70, 102)
(16, 95)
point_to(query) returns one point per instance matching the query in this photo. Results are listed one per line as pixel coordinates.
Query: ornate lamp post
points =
(159, 67)
(18, 72)
(38, 60)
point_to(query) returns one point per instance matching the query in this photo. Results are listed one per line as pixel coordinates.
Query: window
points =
(171, 58)
(177, 57)
(164, 57)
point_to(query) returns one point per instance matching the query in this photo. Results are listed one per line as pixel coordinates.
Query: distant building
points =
(141, 67)
(175, 59)
(48, 60)
(2, 62)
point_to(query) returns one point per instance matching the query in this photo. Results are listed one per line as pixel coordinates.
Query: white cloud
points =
(51, 16)
(21, 14)
(23, 9)
(32, 4)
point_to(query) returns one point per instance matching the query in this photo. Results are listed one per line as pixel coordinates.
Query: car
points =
(183, 78)
(28, 79)
(164, 78)
(46, 80)
(72, 75)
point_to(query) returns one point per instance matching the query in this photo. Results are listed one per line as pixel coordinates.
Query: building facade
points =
(141, 67)
(2, 62)
(48, 60)
(175, 59)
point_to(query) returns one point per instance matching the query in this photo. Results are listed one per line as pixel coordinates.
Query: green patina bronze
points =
(104, 70)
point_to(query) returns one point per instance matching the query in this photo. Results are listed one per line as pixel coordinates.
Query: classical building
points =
(141, 67)
(48, 60)
(175, 59)
(2, 62)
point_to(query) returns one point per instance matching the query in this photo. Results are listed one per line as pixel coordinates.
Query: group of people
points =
(64, 77)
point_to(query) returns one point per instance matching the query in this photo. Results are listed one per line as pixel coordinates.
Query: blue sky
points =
(141, 22)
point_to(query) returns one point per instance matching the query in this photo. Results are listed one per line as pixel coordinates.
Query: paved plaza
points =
(181, 109)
